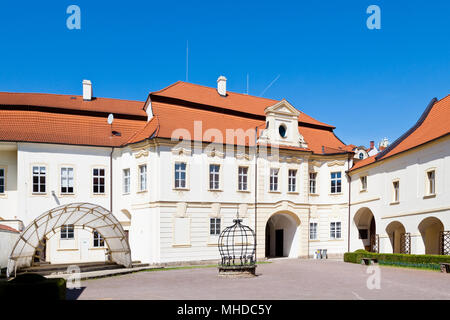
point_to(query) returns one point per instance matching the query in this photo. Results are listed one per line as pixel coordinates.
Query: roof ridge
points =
(66, 95)
(208, 87)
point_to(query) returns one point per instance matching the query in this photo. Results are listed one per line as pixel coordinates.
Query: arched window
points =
(361, 155)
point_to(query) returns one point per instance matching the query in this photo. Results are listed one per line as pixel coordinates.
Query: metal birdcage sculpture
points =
(237, 245)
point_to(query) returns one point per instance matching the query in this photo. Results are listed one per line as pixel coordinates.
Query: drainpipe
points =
(256, 186)
(349, 179)
(111, 181)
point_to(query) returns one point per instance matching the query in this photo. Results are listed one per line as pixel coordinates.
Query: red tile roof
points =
(233, 101)
(433, 124)
(62, 119)
(73, 102)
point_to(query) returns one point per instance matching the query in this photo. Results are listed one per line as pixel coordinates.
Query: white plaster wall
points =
(414, 206)
(9, 200)
(7, 242)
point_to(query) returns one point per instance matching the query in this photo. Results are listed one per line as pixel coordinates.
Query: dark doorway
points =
(279, 235)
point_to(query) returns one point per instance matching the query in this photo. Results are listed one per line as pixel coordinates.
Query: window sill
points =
(314, 194)
(99, 194)
(243, 191)
(180, 189)
(97, 248)
(39, 194)
(126, 193)
(293, 192)
(67, 194)
(274, 191)
(394, 203)
(142, 191)
(314, 240)
(212, 244)
(336, 239)
(336, 194)
(67, 249)
(362, 190)
(3, 195)
(181, 246)
(215, 190)
(429, 196)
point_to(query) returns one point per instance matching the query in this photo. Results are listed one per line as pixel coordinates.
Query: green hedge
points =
(33, 286)
(407, 260)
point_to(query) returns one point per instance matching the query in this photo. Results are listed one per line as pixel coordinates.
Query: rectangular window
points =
(143, 177)
(67, 231)
(312, 182)
(66, 180)
(292, 180)
(98, 240)
(214, 176)
(2, 180)
(313, 230)
(214, 226)
(396, 186)
(98, 180)
(274, 179)
(180, 175)
(431, 182)
(126, 180)
(335, 182)
(39, 177)
(242, 178)
(363, 183)
(335, 230)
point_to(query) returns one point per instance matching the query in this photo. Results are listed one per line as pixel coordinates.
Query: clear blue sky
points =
(370, 84)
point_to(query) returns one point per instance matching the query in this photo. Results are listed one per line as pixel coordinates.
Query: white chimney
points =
(222, 86)
(87, 90)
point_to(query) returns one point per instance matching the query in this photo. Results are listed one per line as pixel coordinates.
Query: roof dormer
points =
(282, 126)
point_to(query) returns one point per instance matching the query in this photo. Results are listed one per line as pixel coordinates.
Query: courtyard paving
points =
(282, 279)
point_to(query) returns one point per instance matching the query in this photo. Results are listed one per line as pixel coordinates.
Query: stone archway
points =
(399, 239)
(430, 228)
(282, 235)
(82, 215)
(365, 223)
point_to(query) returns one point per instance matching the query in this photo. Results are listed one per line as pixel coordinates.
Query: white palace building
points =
(158, 180)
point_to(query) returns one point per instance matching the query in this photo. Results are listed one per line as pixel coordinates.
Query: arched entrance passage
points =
(282, 235)
(82, 215)
(430, 229)
(365, 222)
(400, 241)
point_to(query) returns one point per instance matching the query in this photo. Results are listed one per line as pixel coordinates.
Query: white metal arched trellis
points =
(81, 215)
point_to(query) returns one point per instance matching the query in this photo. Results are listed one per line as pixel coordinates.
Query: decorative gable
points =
(282, 126)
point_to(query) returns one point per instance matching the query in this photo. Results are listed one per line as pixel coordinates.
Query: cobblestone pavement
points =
(282, 279)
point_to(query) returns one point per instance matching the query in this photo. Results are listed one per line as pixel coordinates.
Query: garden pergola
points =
(80, 215)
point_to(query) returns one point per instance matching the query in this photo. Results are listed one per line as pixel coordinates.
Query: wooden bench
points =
(368, 261)
(445, 267)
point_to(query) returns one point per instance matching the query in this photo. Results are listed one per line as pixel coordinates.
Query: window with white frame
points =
(313, 230)
(67, 231)
(214, 171)
(66, 180)
(39, 179)
(180, 175)
(292, 180)
(99, 241)
(431, 185)
(335, 230)
(98, 180)
(336, 182)
(361, 155)
(143, 177)
(2, 180)
(214, 226)
(274, 179)
(126, 180)
(363, 183)
(243, 178)
(396, 191)
(312, 182)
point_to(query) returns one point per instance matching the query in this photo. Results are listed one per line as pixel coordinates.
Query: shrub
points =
(33, 286)
(414, 260)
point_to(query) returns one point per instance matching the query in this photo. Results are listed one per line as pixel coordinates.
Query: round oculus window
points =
(282, 130)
